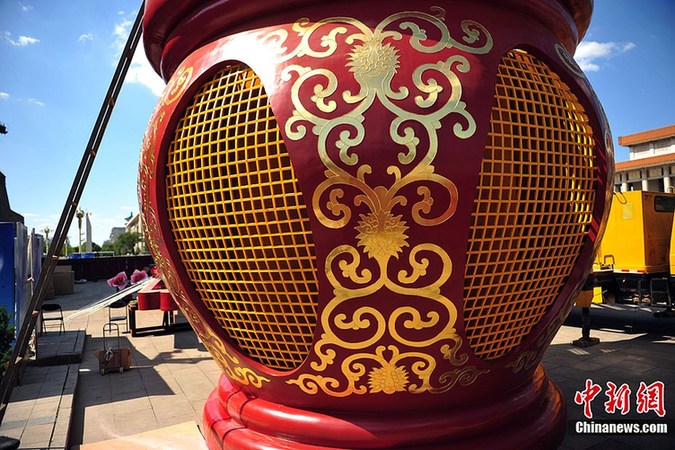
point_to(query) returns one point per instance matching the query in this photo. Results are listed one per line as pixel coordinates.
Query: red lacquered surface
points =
(390, 365)
(533, 417)
(171, 30)
(156, 296)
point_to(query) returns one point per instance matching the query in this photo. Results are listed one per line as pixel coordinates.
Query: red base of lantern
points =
(530, 417)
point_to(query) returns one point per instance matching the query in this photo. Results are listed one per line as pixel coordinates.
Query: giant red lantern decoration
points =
(375, 215)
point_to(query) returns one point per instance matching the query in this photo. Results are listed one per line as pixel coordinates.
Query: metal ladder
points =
(72, 202)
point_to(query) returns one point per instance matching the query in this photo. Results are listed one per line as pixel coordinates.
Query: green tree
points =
(124, 244)
(6, 339)
(94, 248)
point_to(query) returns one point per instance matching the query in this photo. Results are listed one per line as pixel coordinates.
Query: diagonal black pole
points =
(71, 206)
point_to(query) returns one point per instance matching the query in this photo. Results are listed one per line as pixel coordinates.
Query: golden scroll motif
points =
(336, 116)
(147, 169)
(177, 85)
(569, 61)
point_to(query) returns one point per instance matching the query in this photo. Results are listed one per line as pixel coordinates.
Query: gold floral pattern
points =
(381, 234)
(335, 118)
(388, 379)
(525, 360)
(373, 60)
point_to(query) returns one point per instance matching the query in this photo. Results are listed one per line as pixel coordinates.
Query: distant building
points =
(651, 161)
(135, 225)
(115, 233)
(6, 213)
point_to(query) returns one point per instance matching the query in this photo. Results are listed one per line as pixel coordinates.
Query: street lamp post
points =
(79, 214)
(46, 231)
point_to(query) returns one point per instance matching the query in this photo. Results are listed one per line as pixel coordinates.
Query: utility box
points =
(64, 280)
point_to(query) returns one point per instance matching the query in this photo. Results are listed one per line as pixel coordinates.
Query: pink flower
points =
(119, 281)
(138, 276)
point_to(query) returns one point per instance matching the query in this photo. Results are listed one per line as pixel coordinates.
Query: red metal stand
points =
(533, 416)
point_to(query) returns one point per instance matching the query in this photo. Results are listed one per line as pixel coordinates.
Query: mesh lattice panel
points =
(533, 205)
(239, 221)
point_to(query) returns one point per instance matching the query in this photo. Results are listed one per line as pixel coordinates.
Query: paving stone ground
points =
(68, 404)
(65, 405)
(634, 347)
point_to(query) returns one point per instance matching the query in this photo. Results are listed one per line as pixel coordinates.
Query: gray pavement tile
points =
(21, 408)
(41, 420)
(48, 404)
(26, 392)
(59, 441)
(172, 375)
(37, 435)
(13, 432)
(14, 424)
(131, 406)
(660, 372)
(127, 424)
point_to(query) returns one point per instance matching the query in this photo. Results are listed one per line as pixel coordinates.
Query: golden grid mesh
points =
(239, 220)
(533, 205)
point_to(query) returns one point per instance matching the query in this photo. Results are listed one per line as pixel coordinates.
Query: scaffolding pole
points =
(71, 206)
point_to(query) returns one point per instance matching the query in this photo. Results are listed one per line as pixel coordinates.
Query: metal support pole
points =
(69, 210)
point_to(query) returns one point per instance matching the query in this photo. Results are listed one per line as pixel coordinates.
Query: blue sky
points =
(57, 58)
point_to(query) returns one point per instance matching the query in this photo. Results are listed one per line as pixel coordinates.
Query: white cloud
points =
(35, 101)
(85, 37)
(40, 221)
(628, 46)
(140, 70)
(22, 41)
(32, 101)
(589, 53)
(121, 32)
(27, 40)
(25, 7)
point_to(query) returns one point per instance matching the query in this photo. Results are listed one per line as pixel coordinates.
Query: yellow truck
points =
(635, 262)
